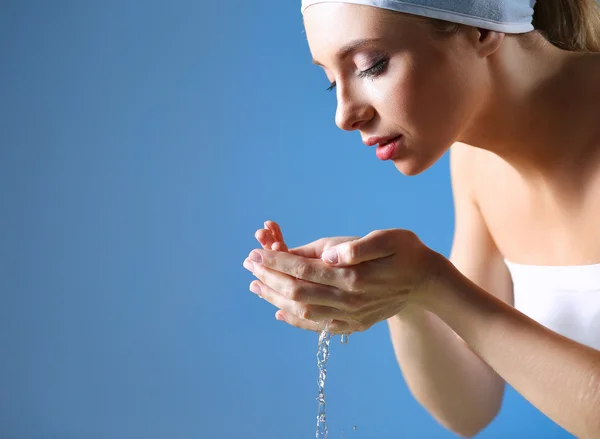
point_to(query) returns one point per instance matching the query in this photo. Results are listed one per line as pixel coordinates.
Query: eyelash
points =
(372, 72)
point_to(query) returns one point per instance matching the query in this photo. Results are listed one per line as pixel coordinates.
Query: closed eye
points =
(376, 70)
(372, 72)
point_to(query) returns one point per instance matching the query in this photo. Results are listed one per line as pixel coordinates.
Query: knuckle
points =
(303, 270)
(304, 312)
(295, 292)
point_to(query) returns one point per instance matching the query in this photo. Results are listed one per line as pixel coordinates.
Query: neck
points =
(539, 114)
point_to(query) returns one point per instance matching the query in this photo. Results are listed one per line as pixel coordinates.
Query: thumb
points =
(375, 245)
(314, 250)
(311, 250)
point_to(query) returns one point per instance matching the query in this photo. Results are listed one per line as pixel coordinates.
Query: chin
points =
(411, 168)
(415, 164)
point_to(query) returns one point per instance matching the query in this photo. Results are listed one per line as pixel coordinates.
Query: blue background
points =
(141, 145)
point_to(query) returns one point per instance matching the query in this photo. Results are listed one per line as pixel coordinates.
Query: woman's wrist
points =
(438, 271)
(460, 303)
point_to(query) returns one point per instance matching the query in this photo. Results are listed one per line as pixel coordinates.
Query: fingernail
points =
(331, 256)
(255, 288)
(248, 265)
(255, 257)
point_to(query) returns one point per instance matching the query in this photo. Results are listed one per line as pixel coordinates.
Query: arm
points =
(557, 375)
(460, 391)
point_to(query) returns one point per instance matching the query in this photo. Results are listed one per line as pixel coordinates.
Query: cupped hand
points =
(351, 283)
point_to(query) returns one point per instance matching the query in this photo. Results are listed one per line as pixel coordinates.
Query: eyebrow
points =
(351, 47)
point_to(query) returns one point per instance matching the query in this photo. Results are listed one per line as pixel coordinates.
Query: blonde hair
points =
(572, 25)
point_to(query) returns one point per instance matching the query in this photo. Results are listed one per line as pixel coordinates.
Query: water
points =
(322, 357)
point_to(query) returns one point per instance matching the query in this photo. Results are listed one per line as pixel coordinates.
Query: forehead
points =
(332, 26)
(340, 22)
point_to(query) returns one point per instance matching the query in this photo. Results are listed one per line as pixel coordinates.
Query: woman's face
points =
(400, 76)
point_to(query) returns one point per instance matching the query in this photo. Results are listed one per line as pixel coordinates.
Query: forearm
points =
(459, 390)
(557, 375)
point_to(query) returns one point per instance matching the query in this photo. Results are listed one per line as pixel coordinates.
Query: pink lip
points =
(372, 141)
(387, 151)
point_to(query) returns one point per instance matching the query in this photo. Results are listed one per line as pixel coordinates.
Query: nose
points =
(351, 113)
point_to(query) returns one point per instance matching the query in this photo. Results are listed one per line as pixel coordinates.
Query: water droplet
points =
(345, 338)
(355, 427)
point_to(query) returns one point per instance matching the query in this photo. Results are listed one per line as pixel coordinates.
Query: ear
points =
(486, 42)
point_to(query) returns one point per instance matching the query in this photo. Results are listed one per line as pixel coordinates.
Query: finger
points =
(265, 238)
(335, 327)
(279, 247)
(376, 245)
(299, 290)
(274, 298)
(298, 267)
(316, 248)
(274, 228)
(296, 321)
(303, 311)
(271, 237)
(312, 250)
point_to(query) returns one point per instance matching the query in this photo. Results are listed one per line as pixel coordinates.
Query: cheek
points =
(431, 100)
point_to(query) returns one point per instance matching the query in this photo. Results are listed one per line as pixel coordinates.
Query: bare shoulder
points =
(474, 251)
(474, 174)
(461, 151)
(482, 175)
(465, 164)
(461, 155)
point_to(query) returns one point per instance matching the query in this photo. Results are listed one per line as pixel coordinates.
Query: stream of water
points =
(322, 357)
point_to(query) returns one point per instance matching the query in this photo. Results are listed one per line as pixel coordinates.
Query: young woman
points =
(514, 92)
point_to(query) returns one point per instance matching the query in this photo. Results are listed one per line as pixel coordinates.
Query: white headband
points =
(508, 16)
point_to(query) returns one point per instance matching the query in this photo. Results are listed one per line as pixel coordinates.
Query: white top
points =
(565, 299)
